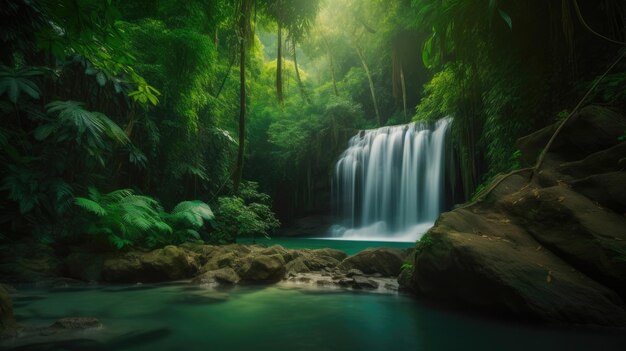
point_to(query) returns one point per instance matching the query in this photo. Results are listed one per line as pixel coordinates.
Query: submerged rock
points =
(76, 323)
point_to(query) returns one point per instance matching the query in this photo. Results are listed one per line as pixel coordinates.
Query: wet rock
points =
(336, 254)
(550, 250)
(364, 283)
(385, 261)
(353, 272)
(258, 268)
(590, 238)
(224, 275)
(169, 263)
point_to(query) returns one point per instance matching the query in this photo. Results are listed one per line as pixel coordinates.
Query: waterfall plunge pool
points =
(186, 317)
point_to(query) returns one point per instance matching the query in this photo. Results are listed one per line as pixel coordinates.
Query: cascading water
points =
(389, 183)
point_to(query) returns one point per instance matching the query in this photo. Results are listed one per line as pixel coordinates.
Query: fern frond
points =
(90, 206)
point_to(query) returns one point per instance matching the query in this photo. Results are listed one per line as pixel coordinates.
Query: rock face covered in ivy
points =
(551, 249)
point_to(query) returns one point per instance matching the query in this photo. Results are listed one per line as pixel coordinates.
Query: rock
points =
(509, 274)
(552, 250)
(405, 279)
(224, 275)
(385, 261)
(204, 252)
(7, 320)
(258, 268)
(334, 253)
(315, 260)
(345, 282)
(169, 263)
(593, 129)
(353, 272)
(76, 323)
(287, 255)
(607, 189)
(590, 238)
(297, 266)
(364, 283)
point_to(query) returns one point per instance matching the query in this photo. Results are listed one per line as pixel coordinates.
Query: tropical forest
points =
(313, 175)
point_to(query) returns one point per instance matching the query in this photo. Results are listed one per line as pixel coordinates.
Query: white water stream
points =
(389, 183)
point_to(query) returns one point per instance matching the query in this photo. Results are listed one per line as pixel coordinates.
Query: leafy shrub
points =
(246, 215)
(128, 219)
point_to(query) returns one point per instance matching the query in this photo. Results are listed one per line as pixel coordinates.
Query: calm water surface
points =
(184, 317)
(348, 246)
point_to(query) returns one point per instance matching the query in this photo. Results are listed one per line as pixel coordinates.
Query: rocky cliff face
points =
(552, 248)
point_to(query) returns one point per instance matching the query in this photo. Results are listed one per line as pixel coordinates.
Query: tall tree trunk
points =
(305, 97)
(369, 78)
(279, 65)
(403, 91)
(242, 100)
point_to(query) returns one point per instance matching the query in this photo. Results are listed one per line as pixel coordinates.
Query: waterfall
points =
(389, 182)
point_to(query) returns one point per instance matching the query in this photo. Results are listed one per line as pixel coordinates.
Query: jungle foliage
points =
(225, 112)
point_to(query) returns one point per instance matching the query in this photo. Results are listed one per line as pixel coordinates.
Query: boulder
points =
(224, 275)
(326, 252)
(364, 283)
(353, 272)
(168, 263)
(508, 272)
(259, 268)
(7, 320)
(593, 129)
(385, 261)
(552, 249)
(590, 238)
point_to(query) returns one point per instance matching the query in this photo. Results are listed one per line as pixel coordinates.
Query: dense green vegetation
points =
(241, 107)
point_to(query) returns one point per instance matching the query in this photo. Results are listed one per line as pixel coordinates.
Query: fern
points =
(90, 206)
(128, 219)
(15, 82)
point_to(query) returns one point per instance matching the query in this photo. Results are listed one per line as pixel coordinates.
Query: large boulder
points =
(484, 260)
(259, 268)
(7, 320)
(549, 248)
(315, 260)
(590, 238)
(168, 263)
(593, 129)
(385, 261)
